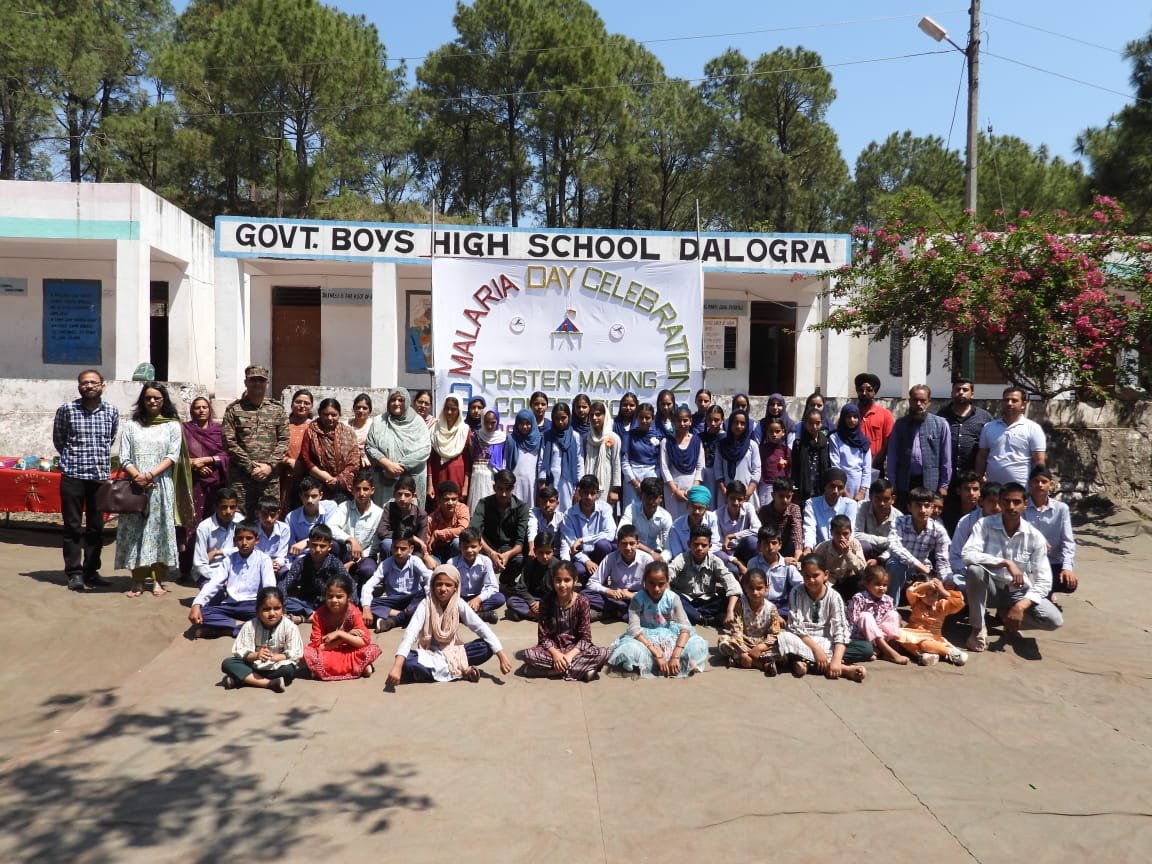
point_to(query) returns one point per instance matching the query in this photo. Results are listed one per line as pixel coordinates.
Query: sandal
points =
(159, 590)
(977, 641)
(471, 674)
(229, 683)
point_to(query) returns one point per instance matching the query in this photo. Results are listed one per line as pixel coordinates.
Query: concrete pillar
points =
(233, 326)
(386, 342)
(915, 363)
(843, 356)
(809, 347)
(133, 273)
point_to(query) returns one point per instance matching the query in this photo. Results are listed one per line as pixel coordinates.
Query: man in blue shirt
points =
(83, 432)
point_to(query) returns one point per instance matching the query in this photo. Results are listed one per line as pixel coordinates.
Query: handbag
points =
(121, 496)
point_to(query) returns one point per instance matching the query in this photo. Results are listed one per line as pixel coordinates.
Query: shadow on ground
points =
(102, 801)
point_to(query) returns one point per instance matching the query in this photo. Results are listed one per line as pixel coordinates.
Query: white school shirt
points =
(398, 581)
(537, 520)
(818, 516)
(210, 535)
(960, 537)
(479, 580)
(348, 521)
(678, 538)
(782, 578)
(653, 532)
(434, 660)
(1027, 548)
(590, 529)
(274, 545)
(746, 523)
(614, 572)
(299, 525)
(1010, 449)
(242, 578)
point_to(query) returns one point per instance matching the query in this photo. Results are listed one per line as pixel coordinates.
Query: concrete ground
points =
(118, 745)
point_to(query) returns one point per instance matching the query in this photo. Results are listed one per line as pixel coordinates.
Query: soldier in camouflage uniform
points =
(255, 433)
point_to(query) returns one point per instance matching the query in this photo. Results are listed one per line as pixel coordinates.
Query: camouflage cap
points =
(256, 372)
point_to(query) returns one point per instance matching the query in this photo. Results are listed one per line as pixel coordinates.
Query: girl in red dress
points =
(341, 644)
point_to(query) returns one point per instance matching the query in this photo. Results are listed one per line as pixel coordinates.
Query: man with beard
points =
(919, 449)
(875, 420)
(966, 422)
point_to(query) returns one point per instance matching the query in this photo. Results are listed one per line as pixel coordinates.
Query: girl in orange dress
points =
(341, 644)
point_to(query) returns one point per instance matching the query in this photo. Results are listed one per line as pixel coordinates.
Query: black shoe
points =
(511, 615)
(594, 616)
(488, 617)
(95, 580)
(384, 623)
(76, 583)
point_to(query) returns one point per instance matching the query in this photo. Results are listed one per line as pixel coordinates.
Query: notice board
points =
(72, 321)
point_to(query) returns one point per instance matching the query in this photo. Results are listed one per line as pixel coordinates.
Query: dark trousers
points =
(710, 610)
(238, 669)
(599, 551)
(914, 480)
(82, 540)
(608, 607)
(490, 605)
(478, 652)
(227, 614)
(383, 606)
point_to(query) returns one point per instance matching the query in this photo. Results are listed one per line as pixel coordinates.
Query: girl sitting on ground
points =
(659, 639)
(564, 635)
(268, 648)
(341, 645)
(750, 642)
(873, 616)
(431, 649)
(818, 634)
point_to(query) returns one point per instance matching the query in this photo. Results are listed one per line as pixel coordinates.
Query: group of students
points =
(787, 587)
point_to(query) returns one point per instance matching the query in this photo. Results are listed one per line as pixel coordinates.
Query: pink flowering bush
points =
(1055, 299)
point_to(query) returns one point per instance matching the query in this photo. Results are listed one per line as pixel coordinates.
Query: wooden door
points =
(772, 354)
(295, 344)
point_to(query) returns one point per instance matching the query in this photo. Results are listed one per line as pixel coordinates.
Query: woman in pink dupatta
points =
(208, 461)
(207, 457)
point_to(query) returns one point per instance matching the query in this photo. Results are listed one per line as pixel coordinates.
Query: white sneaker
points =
(957, 657)
(927, 659)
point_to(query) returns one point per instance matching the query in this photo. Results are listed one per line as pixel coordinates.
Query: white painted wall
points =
(345, 337)
(21, 317)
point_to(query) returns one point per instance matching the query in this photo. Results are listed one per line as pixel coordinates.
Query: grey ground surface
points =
(117, 745)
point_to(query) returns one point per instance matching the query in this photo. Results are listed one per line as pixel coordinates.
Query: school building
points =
(110, 276)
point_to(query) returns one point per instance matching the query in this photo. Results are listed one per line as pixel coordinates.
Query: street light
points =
(972, 53)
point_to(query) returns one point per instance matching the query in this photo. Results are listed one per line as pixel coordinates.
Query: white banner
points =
(237, 237)
(504, 329)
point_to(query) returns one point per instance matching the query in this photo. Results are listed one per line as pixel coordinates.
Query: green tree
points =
(1060, 302)
(25, 110)
(99, 51)
(1015, 176)
(905, 168)
(291, 95)
(776, 162)
(1120, 152)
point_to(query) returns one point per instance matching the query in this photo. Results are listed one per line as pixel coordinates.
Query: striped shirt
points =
(84, 439)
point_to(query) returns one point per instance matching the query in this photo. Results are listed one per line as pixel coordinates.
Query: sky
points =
(886, 77)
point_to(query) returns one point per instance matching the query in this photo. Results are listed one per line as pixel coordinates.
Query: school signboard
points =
(502, 329)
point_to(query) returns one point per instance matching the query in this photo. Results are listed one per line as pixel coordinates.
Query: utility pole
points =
(973, 55)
